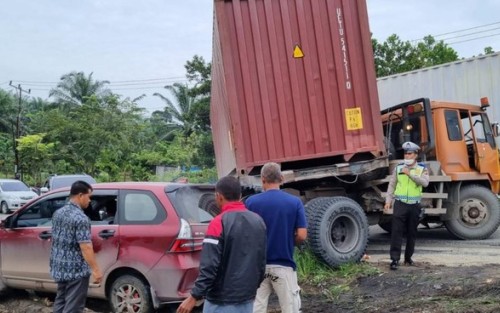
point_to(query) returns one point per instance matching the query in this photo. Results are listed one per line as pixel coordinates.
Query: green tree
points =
(180, 109)
(7, 111)
(488, 50)
(199, 73)
(430, 52)
(97, 136)
(6, 155)
(34, 154)
(396, 56)
(75, 88)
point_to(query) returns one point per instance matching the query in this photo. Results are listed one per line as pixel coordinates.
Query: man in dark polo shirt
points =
(72, 258)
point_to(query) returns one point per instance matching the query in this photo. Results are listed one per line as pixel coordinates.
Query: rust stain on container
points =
(270, 105)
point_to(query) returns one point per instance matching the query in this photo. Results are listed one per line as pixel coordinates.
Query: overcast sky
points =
(140, 46)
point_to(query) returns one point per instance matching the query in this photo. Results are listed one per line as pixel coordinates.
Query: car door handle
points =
(45, 235)
(107, 233)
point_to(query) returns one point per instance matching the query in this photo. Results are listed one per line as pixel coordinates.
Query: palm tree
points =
(179, 113)
(75, 88)
(7, 111)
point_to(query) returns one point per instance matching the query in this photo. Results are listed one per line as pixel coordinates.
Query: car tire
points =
(130, 294)
(5, 208)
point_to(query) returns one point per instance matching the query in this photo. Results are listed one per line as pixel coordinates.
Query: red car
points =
(147, 238)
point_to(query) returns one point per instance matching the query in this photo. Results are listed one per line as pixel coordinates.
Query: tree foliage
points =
(396, 56)
(75, 88)
(87, 128)
(35, 154)
(178, 112)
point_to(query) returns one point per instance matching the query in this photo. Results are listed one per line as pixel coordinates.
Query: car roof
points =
(68, 175)
(168, 186)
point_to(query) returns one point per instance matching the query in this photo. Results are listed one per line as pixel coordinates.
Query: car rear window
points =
(195, 204)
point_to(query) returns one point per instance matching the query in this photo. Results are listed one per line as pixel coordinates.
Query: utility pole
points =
(17, 132)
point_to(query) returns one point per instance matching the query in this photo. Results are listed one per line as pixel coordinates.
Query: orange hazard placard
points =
(297, 52)
(353, 119)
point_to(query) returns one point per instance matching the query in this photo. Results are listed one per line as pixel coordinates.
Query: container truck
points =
(293, 82)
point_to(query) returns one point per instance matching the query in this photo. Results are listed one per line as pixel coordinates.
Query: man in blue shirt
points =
(72, 258)
(286, 224)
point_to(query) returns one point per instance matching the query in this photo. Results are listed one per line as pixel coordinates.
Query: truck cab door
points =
(480, 134)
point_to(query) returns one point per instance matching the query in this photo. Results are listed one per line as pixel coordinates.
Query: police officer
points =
(405, 190)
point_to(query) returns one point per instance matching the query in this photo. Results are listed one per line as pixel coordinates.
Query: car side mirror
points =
(44, 190)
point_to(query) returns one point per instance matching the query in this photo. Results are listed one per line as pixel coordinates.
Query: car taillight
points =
(185, 241)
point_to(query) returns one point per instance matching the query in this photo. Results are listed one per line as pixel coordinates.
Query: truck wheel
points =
(5, 208)
(311, 207)
(338, 230)
(207, 203)
(130, 294)
(477, 216)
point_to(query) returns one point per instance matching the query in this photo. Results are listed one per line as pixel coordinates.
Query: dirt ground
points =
(424, 288)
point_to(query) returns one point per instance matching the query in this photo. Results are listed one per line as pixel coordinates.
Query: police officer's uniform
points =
(406, 192)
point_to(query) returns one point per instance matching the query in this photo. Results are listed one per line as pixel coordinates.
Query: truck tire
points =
(130, 294)
(338, 230)
(477, 216)
(207, 203)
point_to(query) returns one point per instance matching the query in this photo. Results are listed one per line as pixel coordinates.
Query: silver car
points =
(14, 194)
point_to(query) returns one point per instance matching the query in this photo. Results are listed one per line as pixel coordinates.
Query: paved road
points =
(437, 246)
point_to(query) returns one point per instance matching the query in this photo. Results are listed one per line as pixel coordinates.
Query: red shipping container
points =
(293, 80)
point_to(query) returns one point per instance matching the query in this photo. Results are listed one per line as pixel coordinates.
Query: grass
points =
(332, 282)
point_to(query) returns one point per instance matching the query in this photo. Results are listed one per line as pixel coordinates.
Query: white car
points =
(14, 194)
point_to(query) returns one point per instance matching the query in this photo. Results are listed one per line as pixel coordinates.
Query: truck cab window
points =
(453, 125)
(474, 128)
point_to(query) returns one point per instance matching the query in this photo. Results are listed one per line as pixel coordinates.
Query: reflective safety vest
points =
(407, 190)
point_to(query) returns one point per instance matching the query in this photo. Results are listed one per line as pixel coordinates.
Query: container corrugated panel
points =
(286, 75)
(465, 81)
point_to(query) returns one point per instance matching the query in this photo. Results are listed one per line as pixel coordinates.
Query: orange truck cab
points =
(458, 145)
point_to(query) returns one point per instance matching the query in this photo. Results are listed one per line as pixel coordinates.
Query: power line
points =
(149, 83)
(118, 84)
(459, 31)
(139, 88)
(492, 35)
(27, 82)
(474, 33)
(149, 79)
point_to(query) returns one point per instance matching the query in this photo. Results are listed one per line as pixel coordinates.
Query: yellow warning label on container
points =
(353, 119)
(297, 52)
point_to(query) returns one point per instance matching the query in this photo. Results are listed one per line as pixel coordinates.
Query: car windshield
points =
(59, 182)
(14, 186)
